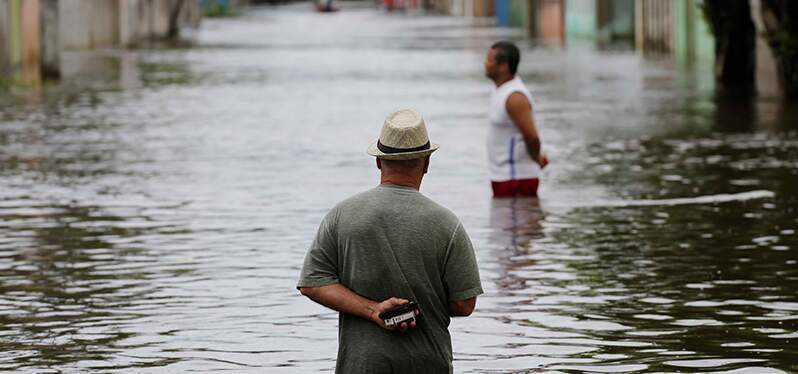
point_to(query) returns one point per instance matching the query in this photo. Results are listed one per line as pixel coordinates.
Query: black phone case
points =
(399, 310)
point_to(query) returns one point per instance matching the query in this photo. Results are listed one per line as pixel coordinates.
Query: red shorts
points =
(516, 187)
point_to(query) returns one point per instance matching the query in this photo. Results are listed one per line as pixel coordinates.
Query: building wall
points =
(34, 33)
(471, 8)
(502, 12)
(29, 48)
(618, 20)
(14, 34)
(5, 48)
(693, 41)
(128, 22)
(550, 21)
(456, 7)
(580, 19)
(676, 28)
(12, 59)
(484, 8)
(519, 13)
(468, 7)
(30, 37)
(654, 26)
(599, 20)
(51, 45)
(153, 18)
(19, 40)
(87, 24)
(441, 6)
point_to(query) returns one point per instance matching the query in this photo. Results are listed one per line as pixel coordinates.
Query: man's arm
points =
(461, 275)
(520, 111)
(341, 299)
(462, 308)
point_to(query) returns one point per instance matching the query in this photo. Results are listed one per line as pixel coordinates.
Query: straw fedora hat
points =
(403, 137)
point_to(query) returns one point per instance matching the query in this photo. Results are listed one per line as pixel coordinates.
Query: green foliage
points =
(784, 45)
(215, 10)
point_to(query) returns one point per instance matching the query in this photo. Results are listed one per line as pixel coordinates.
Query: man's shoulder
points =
(435, 214)
(441, 210)
(376, 197)
(358, 199)
(359, 202)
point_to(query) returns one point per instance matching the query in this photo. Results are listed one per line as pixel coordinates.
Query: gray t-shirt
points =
(392, 241)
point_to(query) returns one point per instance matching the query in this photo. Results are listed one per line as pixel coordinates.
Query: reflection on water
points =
(514, 223)
(156, 206)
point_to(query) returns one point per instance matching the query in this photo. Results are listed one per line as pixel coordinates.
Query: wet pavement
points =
(156, 206)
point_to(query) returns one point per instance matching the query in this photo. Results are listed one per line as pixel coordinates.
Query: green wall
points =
(599, 20)
(15, 32)
(519, 13)
(692, 40)
(622, 24)
(580, 19)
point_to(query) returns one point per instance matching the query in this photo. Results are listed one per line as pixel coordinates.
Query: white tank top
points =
(508, 158)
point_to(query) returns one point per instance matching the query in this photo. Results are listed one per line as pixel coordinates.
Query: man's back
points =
(392, 241)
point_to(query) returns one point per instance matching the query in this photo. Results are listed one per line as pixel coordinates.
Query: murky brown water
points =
(155, 207)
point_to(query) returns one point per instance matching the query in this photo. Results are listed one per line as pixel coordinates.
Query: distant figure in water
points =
(325, 6)
(393, 4)
(514, 154)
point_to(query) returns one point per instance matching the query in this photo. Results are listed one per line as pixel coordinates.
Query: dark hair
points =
(507, 52)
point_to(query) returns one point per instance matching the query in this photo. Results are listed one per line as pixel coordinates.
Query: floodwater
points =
(155, 207)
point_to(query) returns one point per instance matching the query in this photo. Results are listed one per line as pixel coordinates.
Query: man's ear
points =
(505, 67)
(379, 164)
(426, 164)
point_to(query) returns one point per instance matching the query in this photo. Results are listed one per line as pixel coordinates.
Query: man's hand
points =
(339, 298)
(543, 161)
(388, 304)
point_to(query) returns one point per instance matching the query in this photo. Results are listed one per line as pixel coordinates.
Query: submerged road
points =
(155, 207)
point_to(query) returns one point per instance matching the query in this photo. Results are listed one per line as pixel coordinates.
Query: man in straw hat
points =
(514, 152)
(386, 246)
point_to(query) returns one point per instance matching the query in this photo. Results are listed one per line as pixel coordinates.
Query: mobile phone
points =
(400, 313)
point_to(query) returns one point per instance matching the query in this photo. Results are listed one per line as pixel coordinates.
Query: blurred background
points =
(164, 165)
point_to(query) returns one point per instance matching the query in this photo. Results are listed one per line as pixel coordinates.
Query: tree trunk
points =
(781, 21)
(174, 19)
(735, 44)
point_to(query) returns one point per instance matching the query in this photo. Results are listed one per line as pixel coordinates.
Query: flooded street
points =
(155, 207)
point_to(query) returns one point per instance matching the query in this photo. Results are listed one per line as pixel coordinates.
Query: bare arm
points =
(462, 308)
(520, 111)
(341, 299)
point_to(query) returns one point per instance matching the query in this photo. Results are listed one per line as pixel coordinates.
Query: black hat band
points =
(389, 150)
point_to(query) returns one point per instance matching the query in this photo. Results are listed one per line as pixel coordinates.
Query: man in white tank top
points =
(514, 155)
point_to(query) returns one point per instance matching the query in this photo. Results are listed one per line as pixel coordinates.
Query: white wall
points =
(86, 24)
